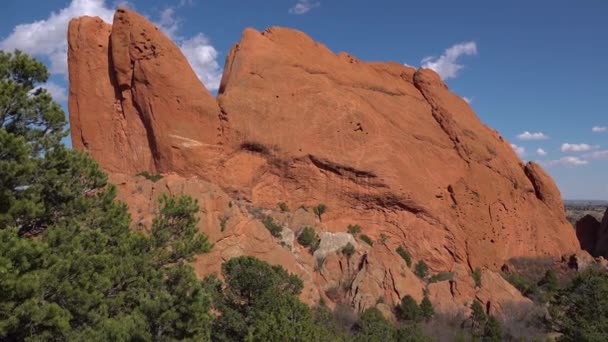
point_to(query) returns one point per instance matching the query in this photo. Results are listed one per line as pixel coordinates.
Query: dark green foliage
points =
(477, 277)
(354, 229)
(411, 333)
(493, 330)
(319, 210)
(174, 233)
(309, 238)
(372, 326)
(405, 255)
(90, 277)
(258, 302)
(408, 309)
(151, 177)
(274, 228)
(549, 282)
(443, 276)
(327, 326)
(40, 179)
(519, 282)
(348, 250)
(426, 308)
(366, 239)
(580, 310)
(478, 318)
(421, 269)
(283, 207)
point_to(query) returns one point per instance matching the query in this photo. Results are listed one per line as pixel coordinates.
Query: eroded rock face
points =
(601, 247)
(588, 232)
(384, 146)
(137, 105)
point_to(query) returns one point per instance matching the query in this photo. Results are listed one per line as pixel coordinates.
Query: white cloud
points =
(541, 152)
(566, 161)
(603, 154)
(197, 49)
(303, 7)
(468, 100)
(520, 150)
(447, 65)
(599, 129)
(203, 59)
(577, 147)
(532, 136)
(47, 38)
(58, 92)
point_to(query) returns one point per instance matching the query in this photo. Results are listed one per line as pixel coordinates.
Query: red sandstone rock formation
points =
(384, 146)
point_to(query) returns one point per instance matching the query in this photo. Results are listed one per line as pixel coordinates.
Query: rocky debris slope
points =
(382, 145)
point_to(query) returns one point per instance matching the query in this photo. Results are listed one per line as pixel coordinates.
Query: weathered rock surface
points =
(136, 104)
(383, 145)
(601, 247)
(588, 232)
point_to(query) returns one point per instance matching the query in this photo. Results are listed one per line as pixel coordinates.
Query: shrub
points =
(354, 229)
(151, 177)
(372, 326)
(319, 210)
(274, 228)
(442, 276)
(309, 238)
(348, 250)
(408, 309)
(367, 239)
(421, 269)
(492, 332)
(383, 238)
(405, 255)
(426, 307)
(478, 317)
(283, 207)
(549, 282)
(477, 277)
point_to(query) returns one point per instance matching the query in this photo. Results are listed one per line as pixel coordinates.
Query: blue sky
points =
(526, 66)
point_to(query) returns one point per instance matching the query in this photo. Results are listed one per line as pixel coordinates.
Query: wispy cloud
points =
(447, 65)
(58, 92)
(520, 150)
(532, 136)
(566, 147)
(468, 100)
(304, 6)
(602, 154)
(599, 129)
(566, 161)
(541, 152)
